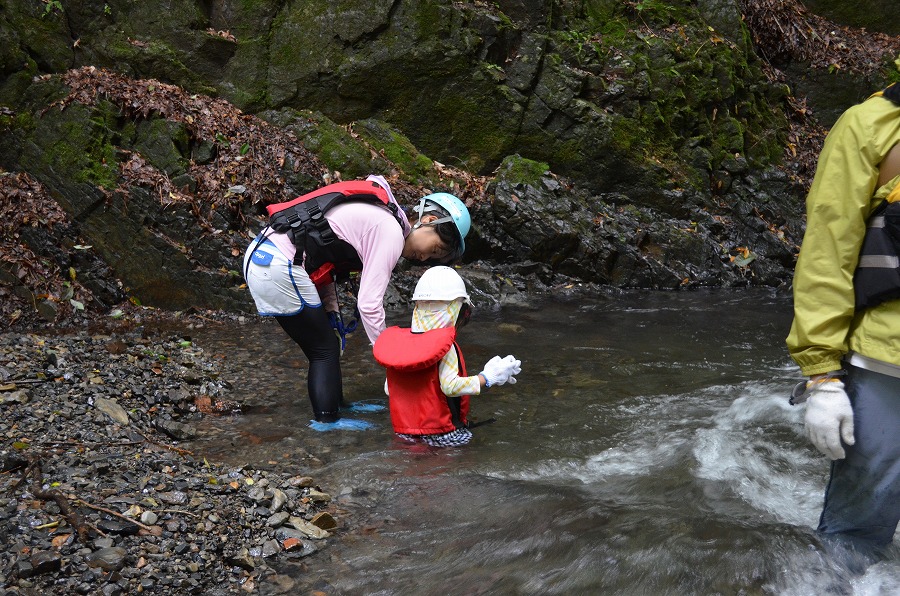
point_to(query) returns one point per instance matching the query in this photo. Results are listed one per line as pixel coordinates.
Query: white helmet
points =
(440, 283)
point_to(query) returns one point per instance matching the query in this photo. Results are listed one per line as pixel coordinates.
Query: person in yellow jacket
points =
(851, 355)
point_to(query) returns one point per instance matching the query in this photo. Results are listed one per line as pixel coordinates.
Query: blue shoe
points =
(341, 424)
(361, 406)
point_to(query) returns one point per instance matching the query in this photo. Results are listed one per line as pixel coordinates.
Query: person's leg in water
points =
(312, 331)
(862, 501)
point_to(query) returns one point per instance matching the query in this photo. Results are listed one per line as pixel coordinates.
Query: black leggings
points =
(312, 331)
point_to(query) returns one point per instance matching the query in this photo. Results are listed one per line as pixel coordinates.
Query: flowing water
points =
(647, 448)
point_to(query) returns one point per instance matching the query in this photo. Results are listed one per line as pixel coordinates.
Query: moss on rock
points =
(516, 169)
(397, 148)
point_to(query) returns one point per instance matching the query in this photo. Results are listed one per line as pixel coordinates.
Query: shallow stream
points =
(648, 448)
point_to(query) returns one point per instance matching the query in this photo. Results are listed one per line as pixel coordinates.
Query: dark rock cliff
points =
(633, 144)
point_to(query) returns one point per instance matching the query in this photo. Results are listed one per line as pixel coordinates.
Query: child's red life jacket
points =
(328, 258)
(417, 404)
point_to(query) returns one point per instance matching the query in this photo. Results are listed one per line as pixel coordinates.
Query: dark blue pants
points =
(862, 501)
(312, 331)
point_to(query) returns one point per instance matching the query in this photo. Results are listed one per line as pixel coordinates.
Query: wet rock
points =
(278, 519)
(301, 481)
(241, 559)
(270, 548)
(24, 568)
(108, 559)
(307, 528)
(317, 496)
(11, 461)
(285, 533)
(111, 408)
(282, 584)
(45, 562)
(278, 500)
(115, 526)
(47, 310)
(177, 430)
(324, 520)
(20, 396)
(299, 546)
(174, 497)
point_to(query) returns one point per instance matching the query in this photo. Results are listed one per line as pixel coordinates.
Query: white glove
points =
(498, 370)
(829, 418)
(386, 392)
(514, 368)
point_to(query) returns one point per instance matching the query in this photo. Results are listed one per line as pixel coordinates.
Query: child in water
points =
(427, 384)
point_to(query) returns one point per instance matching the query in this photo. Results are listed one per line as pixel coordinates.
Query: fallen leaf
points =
(61, 540)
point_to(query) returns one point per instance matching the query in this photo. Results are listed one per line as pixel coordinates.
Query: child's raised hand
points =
(499, 370)
(513, 367)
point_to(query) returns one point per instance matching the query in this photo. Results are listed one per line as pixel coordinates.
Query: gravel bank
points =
(96, 497)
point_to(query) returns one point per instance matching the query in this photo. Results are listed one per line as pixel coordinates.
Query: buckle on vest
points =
(318, 221)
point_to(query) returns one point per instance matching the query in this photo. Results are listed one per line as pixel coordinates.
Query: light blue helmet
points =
(455, 210)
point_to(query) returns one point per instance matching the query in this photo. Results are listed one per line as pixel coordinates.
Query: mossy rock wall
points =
(156, 250)
(654, 119)
(620, 99)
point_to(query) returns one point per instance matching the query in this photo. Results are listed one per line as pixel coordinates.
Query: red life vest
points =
(417, 404)
(328, 258)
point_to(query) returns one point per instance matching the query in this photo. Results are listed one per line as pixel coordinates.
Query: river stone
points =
(47, 310)
(46, 562)
(270, 548)
(176, 430)
(301, 481)
(241, 559)
(20, 396)
(278, 499)
(114, 526)
(278, 519)
(299, 546)
(281, 584)
(318, 496)
(11, 460)
(111, 408)
(174, 497)
(307, 528)
(107, 559)
(324, 520)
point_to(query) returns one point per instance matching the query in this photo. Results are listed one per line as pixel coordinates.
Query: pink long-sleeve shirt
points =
(378, 240)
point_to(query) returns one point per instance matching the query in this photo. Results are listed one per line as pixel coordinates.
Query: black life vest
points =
(893, 93)
(327, 257)
(877, 275)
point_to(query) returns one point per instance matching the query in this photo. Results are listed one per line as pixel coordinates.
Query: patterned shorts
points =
(454, 438)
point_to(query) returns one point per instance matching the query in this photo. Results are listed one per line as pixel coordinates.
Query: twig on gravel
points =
(89, 445)
(177, 450)
(72, 516)
(178, 511)
(111, 512)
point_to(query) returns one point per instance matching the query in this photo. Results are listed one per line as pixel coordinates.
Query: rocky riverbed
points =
(97, 497)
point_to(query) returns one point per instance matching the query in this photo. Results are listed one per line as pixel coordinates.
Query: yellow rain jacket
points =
(843, 194)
